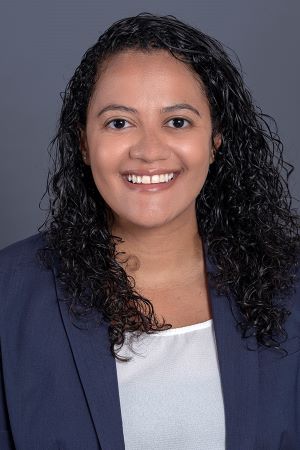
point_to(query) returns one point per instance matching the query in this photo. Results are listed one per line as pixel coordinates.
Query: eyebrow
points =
(170, 108)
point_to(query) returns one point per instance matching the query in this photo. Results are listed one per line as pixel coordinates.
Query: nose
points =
(150, 147)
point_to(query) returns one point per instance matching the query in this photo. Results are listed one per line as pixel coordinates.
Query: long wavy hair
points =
(244, 210)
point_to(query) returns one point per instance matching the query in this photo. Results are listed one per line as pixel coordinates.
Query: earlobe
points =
(212, 155)
(216, 142)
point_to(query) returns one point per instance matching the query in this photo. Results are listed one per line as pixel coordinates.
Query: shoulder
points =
(291, 325)
(293, 305)
(24, 280)
(20, 253)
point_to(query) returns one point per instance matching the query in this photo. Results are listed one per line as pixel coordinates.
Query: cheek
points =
(198, 179)
(198, 167)
(104, 160)
(197, 157)
(101, 168)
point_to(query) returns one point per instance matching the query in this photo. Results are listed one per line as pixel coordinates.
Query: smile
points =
(154, 179)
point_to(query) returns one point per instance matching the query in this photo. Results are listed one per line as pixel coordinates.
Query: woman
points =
(158, 307)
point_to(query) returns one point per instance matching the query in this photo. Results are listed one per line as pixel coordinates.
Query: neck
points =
(161, 256)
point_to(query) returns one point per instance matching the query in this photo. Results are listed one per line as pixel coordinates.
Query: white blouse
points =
(170, 393)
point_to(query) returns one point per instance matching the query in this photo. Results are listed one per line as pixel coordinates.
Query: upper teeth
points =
(146, 179)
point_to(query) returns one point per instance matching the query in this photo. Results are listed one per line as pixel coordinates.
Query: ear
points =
(216, 142)
(84, 147)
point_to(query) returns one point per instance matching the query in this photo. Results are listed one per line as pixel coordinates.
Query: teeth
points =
(155, 178)
(146, 179)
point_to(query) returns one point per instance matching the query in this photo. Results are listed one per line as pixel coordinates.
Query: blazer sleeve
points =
(6, 440)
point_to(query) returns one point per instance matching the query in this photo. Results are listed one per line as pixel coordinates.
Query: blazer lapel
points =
(97, 371)
(238, 370)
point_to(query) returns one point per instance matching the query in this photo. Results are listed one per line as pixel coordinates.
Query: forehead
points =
(131, 59)
(157, 74)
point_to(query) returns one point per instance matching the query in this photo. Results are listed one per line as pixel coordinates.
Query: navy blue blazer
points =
(59, 387)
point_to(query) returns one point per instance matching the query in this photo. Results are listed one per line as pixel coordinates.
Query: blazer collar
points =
(97, 371)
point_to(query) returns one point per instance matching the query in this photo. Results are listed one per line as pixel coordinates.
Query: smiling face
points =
(142, 135)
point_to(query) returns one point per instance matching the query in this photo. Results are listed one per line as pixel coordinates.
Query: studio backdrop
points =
(42, 43)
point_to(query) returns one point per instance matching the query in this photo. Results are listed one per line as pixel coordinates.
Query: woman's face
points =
(146, 118)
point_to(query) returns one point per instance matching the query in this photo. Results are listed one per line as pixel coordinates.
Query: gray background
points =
(42, 44)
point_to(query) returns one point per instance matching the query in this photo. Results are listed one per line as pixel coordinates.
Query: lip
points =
(149, 172)
(155, 187)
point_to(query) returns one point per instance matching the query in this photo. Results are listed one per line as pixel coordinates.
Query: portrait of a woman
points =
(158, 306)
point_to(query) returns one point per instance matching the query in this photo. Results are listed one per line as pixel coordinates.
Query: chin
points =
(146, 223)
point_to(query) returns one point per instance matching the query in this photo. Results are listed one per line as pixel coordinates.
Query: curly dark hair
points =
(244, 210)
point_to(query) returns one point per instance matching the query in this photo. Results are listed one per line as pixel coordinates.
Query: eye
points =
(178, 121)
(118, 122)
